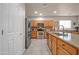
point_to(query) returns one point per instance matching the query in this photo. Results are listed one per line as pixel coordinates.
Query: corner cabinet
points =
(60, 47)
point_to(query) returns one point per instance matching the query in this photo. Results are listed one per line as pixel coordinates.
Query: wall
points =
(13, 25)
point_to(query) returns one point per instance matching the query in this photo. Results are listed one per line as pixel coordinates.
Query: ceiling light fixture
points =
(40, 14)
(54, 11)
(35, 12)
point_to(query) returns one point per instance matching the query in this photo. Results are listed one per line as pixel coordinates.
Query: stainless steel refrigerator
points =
(27, 33)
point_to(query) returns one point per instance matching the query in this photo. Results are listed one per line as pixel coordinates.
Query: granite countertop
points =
(72, 39)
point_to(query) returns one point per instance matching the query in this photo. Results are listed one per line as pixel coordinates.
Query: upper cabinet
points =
(34, 24)
(51, 23)
(47, 23)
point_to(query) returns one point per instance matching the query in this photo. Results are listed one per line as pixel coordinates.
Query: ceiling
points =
(47, 9)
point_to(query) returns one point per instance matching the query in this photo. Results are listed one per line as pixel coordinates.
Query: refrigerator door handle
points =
(2, 32)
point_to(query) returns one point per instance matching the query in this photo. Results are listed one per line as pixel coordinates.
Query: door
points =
(13, 29)
(0, 29)
(4, 16)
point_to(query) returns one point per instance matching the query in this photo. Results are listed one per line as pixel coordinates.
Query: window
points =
(65, 23)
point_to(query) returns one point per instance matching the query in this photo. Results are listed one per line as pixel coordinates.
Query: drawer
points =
(61, 51)
(72, 50)
(59, 42)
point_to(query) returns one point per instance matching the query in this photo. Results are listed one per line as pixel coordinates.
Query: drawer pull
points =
(63, 45)
(57, 47)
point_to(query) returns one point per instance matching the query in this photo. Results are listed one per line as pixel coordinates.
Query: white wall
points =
(13, 16)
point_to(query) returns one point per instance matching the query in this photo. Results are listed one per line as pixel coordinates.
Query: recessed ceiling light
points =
(54, 11)
(40, 14)
(35, 12)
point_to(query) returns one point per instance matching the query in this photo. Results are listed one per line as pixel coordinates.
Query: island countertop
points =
(72, 39)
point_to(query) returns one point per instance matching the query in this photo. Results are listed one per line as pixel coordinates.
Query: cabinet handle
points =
(2, 32)
(57, 47)
(63, 45)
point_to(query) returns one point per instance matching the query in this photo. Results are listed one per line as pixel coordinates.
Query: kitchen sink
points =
(61, 33)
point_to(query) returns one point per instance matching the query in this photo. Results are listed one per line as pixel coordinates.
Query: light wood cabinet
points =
(49, 41)
(34, 23)
(34, 34)
(60, 47)
(51, 23)
(61, 51)
(45, 35)
(70, 49)
(78, 51)
(46, 23)
(53, 48)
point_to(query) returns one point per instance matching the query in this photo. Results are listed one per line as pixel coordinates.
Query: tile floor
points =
(38, 47)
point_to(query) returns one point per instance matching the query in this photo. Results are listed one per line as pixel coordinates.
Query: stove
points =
(40, 35)
(40, 31)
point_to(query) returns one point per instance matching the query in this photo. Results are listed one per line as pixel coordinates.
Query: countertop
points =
(72, 39)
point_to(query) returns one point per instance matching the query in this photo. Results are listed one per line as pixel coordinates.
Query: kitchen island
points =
(63, 44)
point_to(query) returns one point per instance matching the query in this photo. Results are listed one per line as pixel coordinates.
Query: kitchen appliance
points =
(40, 35)
(27, 32)
(40, 31)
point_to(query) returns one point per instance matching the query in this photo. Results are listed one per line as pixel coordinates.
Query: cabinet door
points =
(34, 24)
(53, 45)
(50, 23)
(61, 51)
(45, 35)
(0, 29)
(49, 42)
(46, 23)
(78, 51)
(34, 34)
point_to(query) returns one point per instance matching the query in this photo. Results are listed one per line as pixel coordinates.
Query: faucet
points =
(62, 27)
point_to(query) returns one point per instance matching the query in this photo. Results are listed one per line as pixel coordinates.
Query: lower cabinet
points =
(53, 49)
(61, 51)
(78, 51)
(60, 47)
(34, 34)
(49, 42)
(45, 35)
(70, 49)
